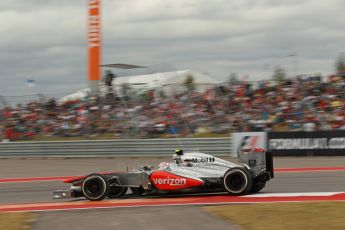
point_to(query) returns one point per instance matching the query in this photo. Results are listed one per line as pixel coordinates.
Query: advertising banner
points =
(248, 140)
(318, 143)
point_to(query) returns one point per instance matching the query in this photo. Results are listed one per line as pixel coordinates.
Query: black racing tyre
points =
(238, 181)
(95, 187)
(116, 192)
(257, 187)
(139, 191)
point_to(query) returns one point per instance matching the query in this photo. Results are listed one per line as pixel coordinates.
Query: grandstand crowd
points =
(298, 104)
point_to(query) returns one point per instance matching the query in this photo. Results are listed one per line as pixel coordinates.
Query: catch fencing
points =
(121, 147)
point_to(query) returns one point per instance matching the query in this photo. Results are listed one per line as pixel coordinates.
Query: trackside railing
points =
(121, 147)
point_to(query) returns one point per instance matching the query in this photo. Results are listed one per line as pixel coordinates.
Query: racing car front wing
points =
(62, 194)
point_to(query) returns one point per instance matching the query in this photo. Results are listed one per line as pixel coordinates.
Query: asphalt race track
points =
(296, 179)
(309, 179)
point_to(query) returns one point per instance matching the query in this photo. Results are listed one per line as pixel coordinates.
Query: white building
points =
(169, 82)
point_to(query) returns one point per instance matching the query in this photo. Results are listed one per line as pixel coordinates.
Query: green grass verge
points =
(16, 221)
(284, 216)
(210, 135)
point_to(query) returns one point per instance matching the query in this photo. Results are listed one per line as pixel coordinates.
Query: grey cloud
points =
(46, 40)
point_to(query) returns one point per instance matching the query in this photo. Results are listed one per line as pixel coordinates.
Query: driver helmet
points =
(179, 152)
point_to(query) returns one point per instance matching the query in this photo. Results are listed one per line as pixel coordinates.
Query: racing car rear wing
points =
(257, 159)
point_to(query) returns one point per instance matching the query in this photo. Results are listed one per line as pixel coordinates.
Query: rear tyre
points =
(95, 187)
(257, 187)
(238, 181)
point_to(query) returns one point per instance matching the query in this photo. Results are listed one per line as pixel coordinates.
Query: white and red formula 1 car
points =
(191, 172)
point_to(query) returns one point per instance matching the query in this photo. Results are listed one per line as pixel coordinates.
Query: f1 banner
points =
(318, 143)
(248, 140)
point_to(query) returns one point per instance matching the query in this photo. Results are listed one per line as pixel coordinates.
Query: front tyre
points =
(238, 181)
(95, 187)
(138, 191)
(117, 192)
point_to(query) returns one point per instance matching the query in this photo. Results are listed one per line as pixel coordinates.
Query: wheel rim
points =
(94, 187)
(236, 181)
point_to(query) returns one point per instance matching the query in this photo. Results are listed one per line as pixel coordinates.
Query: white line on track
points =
(294, 194)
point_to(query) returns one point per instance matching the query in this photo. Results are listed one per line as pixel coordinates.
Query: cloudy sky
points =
(46, 40)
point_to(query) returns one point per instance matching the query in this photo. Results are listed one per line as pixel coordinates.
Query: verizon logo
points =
(171, 181)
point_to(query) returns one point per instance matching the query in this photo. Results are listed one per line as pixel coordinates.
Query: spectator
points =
(297, 104)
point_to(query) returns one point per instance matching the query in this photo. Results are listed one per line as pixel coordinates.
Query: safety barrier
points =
(121, 147)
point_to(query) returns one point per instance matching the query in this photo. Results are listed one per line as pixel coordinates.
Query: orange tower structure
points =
(94, 44)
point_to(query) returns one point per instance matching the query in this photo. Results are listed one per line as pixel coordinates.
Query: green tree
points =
(279, 74)
(340, 63)
(189, 83)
